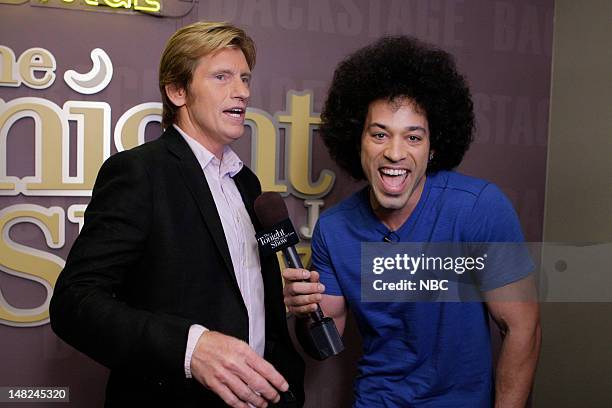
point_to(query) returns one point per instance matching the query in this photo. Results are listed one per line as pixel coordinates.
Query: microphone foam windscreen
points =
(270, 209)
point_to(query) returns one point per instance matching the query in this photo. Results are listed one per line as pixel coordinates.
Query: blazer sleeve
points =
(87, 308)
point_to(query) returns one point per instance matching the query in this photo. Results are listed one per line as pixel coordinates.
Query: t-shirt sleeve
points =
(495, 224)
(321, 261)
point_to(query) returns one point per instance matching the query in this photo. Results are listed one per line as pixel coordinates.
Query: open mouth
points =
(393, 179)
(237, 113)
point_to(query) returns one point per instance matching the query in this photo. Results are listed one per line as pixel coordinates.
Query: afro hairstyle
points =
(394, 68)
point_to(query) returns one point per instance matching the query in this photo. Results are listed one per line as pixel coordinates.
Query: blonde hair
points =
(186, 46)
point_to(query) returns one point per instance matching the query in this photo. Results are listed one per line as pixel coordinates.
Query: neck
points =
(215, 148)
(394, 218)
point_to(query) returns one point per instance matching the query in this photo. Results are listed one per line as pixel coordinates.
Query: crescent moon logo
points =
(95, 80)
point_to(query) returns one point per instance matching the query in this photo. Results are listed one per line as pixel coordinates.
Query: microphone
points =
(391, 236)
(278, 234)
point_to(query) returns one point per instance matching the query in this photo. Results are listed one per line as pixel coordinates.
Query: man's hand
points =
(301, 297)
(232, 370)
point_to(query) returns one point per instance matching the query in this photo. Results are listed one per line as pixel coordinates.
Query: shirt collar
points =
(230, 162)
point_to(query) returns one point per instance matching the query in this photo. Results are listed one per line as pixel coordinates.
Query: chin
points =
(391, 202)
(232, 137)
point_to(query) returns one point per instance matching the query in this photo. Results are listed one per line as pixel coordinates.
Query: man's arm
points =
(517, 316)
(88, 310)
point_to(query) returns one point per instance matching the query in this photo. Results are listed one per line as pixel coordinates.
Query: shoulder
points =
(483, 210)
(339, 218)
(127, 163)
(459, 184)
(466, 190)
(489, 213)
(345, 209)
(151, 160)
(141, 153)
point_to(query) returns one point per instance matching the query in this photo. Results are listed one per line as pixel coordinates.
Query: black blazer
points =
(150, 261)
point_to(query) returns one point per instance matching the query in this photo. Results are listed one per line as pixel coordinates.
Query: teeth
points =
(235, 112)
(393, 172)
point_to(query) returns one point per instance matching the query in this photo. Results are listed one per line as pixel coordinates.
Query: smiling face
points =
(213, 108)
(394, 155)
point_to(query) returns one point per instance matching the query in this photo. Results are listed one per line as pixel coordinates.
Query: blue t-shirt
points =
(419, 354)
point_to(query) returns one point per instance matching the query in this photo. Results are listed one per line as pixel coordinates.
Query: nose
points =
(395, 151)
(241, 89)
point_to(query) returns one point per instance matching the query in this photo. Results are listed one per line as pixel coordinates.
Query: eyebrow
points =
(409, 128)
(230, 72)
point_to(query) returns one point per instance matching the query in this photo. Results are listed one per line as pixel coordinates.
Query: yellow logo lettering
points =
(29, 263)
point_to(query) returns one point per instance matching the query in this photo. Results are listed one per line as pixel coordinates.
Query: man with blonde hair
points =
(164, 284)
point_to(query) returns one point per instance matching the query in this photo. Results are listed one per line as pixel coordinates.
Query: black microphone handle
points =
(293, 260)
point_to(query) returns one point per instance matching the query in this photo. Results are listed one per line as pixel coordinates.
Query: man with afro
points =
(399, 115)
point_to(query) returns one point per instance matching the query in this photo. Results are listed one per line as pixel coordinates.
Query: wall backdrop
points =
(78, 82)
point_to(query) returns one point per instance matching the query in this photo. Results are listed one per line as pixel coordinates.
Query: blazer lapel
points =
(196, 182)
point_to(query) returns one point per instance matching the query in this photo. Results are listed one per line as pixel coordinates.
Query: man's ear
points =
(177, 94)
